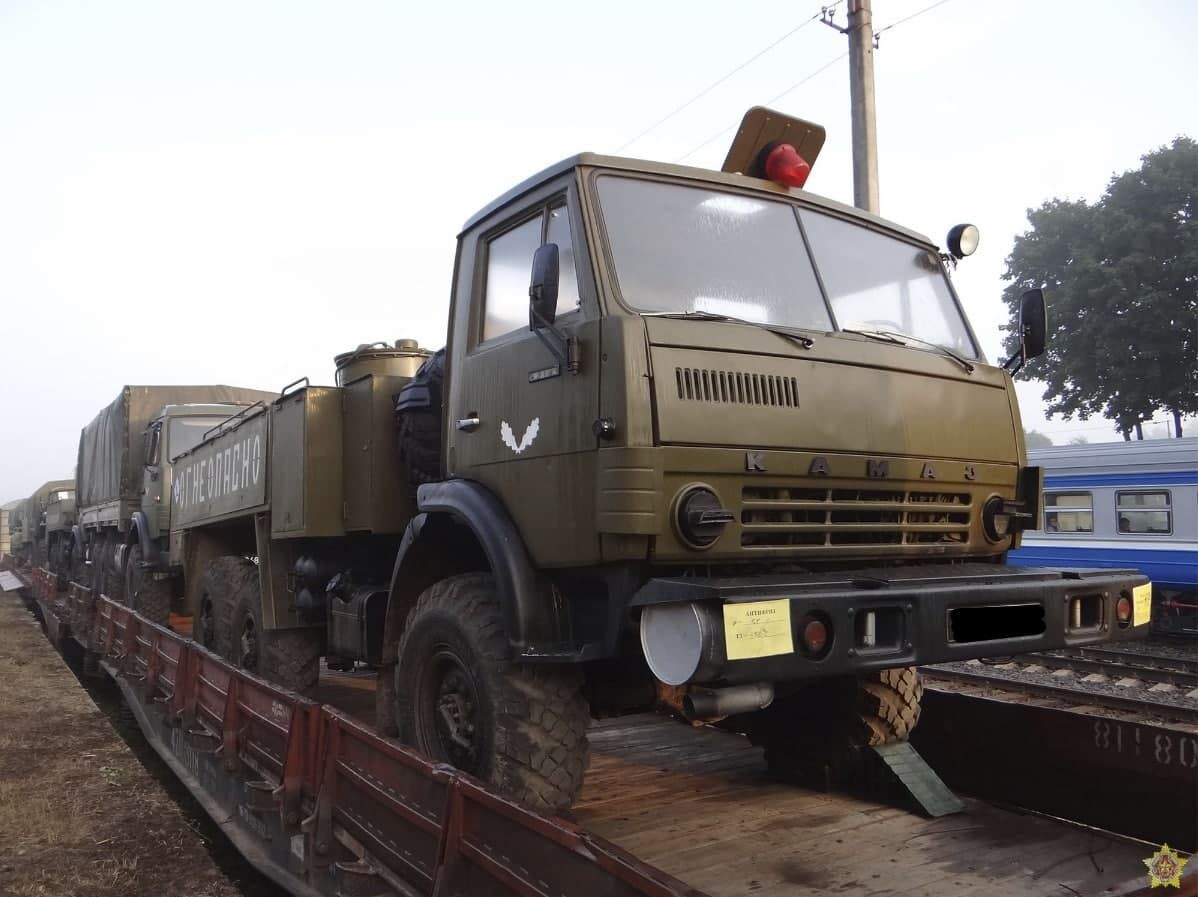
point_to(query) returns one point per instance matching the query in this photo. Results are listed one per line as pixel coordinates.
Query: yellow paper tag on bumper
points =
(757, 629)
(1141, 604)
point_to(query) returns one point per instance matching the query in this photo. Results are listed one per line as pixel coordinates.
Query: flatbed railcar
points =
(317, 799)
(1121, 505)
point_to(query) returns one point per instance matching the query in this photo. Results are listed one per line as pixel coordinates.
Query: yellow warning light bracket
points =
(761, 126)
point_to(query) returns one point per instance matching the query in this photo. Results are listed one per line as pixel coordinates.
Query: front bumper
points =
(893, 617)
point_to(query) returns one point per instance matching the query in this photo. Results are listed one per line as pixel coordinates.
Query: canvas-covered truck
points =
(123, 479)
(30, 536)
(697, 437)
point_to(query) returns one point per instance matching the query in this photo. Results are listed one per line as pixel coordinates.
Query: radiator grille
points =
(736, 387)
(781, 516)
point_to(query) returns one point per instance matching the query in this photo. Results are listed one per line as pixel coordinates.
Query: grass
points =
(78, 812)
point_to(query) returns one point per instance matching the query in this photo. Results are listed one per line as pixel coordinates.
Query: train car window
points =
(1144, 513)
(1068, 512)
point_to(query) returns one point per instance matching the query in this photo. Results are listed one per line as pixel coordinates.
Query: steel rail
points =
(1117, 666)
(1077, 694)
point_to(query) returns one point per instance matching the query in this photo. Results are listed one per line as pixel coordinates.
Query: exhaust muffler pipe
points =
(712, 703)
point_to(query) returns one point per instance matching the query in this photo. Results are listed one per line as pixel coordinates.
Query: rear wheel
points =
(96, 572)
(148, 596)
(460, 700)
(219, 586)
(818, 733)
(114, 575)
(289, 657)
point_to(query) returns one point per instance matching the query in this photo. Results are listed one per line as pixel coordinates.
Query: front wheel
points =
(460, 700)
(818, 733)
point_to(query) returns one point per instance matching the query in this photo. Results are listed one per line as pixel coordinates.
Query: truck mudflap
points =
(320, 802)
(781, 628)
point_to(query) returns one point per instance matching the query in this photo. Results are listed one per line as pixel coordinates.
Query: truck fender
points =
(462, 527)
(140, 530)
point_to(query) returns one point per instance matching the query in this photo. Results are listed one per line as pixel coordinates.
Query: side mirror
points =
(542, 290)
(1032, 329)
(1033, 323)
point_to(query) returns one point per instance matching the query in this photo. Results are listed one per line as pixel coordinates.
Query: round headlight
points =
(963, 240)
(698, 516)
(995, 522)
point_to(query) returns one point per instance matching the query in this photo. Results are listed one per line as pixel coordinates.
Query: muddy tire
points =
(96, 570)
(222, 581)
(114, 576)
(148, 596)
(817, 733)
(287, 657)
(888, 704)
(419, 412)
(460, 700)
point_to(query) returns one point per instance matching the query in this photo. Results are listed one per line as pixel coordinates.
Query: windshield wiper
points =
(804, 341)
(880, 335)
(902, 339)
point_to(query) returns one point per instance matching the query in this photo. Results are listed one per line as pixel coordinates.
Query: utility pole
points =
(860, 32)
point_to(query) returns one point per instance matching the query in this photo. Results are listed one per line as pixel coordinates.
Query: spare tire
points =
(419, 413)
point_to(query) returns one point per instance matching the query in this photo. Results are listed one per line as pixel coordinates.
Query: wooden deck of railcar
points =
(698, 804)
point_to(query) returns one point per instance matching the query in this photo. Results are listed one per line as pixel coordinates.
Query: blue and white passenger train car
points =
(1124, 504)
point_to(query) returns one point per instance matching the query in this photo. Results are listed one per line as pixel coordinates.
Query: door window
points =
(567, 287)
(153, 440)
(509, 269)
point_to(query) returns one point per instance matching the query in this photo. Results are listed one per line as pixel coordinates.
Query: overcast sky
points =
(235, 192)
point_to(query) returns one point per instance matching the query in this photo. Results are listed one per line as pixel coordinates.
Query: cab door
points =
(519, 422)
(152, 485)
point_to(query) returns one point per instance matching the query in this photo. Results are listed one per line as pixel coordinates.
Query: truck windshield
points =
(680, 249)
(185, 433)
(877, 283)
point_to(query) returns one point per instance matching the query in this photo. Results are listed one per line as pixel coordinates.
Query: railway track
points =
(1159, 656)
(1122, 667)
(1139, 678)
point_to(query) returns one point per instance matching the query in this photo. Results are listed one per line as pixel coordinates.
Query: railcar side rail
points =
(318, 801)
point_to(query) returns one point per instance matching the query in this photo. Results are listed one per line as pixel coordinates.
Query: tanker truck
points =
(123, 477)
(696, 437)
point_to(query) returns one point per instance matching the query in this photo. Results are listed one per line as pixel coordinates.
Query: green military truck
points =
(32, 540)
(123, 477)
(696, 436)
(58, 541)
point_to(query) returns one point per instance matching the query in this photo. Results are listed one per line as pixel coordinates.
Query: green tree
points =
(1034, 439)
(1121, 280)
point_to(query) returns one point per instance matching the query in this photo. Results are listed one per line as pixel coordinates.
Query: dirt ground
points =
(79, 815)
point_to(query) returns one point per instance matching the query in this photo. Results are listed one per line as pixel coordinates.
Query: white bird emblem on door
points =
(509, 438)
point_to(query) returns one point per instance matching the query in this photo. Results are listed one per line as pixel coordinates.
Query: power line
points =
(710, 87)
(827, 65)
(824, 14)
(914, 15)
